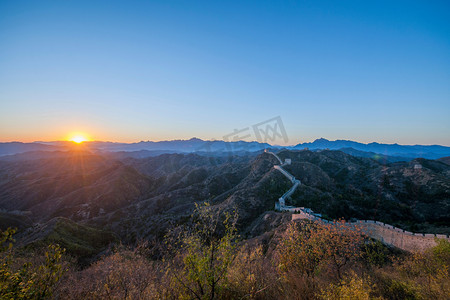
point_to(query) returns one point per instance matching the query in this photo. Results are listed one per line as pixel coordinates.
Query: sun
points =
(78, 138)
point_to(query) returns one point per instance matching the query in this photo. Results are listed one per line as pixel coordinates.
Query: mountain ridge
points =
(193, 145)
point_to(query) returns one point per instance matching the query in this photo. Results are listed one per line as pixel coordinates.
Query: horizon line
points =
(216, 140)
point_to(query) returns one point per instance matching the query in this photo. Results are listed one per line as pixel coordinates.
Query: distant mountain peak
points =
(321, 141)
(195, 139)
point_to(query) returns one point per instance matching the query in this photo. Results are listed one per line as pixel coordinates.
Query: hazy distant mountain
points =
(19, 147)
(33, 155)
(174, 146)
(186, 146)
(388, 152)
(429, 152)
(376, 156)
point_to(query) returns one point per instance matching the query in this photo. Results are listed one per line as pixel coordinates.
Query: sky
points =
(128, 71)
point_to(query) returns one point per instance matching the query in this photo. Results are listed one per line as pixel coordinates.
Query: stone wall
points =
(388, 234)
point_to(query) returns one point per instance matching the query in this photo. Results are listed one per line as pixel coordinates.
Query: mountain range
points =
(408, 151)
(386, 152)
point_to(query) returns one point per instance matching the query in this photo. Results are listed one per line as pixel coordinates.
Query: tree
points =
(429, 270)
(341, 243)
(207, 248)
(309, 247)
(375, 253)
(298, 251)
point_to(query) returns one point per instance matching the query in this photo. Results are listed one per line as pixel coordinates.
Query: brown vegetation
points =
(205, 260)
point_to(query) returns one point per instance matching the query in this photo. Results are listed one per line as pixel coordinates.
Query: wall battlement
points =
(387, 234)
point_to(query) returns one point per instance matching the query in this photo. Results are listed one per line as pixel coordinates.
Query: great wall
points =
(387, 234)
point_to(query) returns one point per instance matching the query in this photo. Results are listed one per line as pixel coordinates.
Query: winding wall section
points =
(281, 205)
(385, 233)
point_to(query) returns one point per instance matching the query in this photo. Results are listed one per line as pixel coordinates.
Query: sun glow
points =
(78, 138)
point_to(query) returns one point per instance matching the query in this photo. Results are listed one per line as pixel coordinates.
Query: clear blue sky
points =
(154, 70)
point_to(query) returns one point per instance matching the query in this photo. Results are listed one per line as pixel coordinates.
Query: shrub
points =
(252, 276)
(28, 281)
(350, 287)
(121, 275)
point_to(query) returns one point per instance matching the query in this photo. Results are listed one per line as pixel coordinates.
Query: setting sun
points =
(78, 138)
